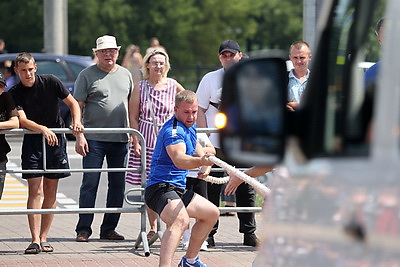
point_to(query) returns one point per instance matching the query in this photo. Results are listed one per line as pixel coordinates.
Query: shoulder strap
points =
(215, 105)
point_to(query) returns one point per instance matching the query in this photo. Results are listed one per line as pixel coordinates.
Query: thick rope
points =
(259, 187)
(217, 180)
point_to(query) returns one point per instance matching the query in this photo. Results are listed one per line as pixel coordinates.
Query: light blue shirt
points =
(296, 87)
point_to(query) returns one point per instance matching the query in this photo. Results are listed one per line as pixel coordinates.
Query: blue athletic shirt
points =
(162, 168)
(371, 74)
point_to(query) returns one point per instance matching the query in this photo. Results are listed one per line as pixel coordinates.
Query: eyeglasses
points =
(111, 51)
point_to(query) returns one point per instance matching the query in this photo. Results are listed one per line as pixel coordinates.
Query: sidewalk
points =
(15, 237)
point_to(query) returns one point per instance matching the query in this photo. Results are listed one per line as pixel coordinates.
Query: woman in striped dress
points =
(153, 104)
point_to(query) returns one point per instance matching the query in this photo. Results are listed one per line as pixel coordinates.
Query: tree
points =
(280, 23)
(21, 25)
(90, 19)
(191, 30)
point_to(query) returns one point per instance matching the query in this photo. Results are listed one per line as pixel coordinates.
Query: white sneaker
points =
(185, 245)
(204, 246)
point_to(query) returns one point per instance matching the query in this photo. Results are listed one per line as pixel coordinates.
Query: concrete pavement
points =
(15, 237)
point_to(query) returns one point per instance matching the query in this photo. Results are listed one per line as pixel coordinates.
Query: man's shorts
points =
(157, 196)
(199, 186)
(32, 156)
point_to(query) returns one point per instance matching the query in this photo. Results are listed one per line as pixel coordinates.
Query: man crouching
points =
(177, 151)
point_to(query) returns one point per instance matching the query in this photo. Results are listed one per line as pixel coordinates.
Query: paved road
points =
(15, 236)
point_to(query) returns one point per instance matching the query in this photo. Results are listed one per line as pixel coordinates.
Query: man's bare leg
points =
(49, 202)
(176, 218)
(206, 214)
(152, 215)
(34, 195)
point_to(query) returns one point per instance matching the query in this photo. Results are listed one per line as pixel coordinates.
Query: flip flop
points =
(46, 247)
(33, 248)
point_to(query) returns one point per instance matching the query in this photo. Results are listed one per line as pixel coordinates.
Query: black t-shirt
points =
(40, 102)
(7, 110)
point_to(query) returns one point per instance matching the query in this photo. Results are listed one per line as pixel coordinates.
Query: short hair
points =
(379, 25)
(147, 58)
(298, 45)
(24, 57)
(185, 96)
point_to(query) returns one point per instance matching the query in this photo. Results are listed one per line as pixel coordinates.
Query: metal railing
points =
(101, 210)
(87, 130)
(139, 199)
(46, 170)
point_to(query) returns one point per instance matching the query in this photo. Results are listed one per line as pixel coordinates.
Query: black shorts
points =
(32, 156)
(157, 195)
(196, 185)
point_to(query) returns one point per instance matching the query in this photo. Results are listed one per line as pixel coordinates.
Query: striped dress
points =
(163, 102)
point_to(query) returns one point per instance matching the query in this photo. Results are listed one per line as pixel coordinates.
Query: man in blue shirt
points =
(177, 151)
(300, 55)
(371, 74)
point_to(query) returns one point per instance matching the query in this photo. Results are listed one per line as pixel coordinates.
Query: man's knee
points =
(215, 212)
(175, 214)
(212, 214)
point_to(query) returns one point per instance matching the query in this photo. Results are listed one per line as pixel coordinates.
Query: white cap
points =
(105, 42)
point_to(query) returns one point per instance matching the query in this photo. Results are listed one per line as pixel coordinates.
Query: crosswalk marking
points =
(15, 196)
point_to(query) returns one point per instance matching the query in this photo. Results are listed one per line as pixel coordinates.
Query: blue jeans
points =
(116, 154)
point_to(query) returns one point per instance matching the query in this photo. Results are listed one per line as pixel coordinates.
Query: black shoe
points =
(250, 240)
(82, 237)
(112, 235)
(210, 242)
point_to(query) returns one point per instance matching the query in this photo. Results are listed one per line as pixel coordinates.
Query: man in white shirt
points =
(209, 97)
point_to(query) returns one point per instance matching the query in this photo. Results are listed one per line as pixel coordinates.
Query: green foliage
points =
(21, 25)
(280, 24)
(191, 30)
(90, 19)
(372, 46)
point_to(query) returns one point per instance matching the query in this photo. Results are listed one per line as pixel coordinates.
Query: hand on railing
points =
(50, 136)
(77, 128)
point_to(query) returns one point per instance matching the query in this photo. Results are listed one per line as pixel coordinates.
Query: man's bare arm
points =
(182, 161)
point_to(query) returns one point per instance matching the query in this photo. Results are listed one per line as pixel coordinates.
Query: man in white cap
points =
(209, 95)
(103, 93)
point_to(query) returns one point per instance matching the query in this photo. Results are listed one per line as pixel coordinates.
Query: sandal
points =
(46, 247)
(33, 248)
(150, 235)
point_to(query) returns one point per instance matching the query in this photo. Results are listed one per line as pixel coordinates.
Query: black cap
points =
(229, 45)
(2, 80)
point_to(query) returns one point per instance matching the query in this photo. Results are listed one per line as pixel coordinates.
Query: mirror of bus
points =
(252, 117)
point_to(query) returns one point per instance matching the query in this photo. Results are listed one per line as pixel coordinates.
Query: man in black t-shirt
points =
(36, 99)
(8, 120)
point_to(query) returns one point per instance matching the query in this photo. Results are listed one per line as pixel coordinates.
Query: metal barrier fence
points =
(138, 199)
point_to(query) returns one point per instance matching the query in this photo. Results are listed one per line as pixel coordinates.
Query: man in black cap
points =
(209, 96)
(8, 120)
